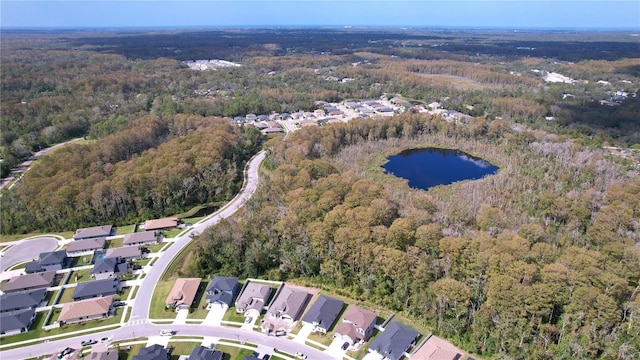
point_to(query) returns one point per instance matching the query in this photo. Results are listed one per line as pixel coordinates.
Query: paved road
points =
(27, 250)
(148, 329)
(143, 297)
(24, 167)
(140, 310)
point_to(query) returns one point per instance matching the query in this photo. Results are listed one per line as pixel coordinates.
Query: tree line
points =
(537, 261)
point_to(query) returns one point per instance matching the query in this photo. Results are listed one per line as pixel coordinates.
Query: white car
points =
(167, 332)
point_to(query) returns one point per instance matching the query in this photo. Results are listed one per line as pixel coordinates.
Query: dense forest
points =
(538, 261)
(156, 167)
(61, 85)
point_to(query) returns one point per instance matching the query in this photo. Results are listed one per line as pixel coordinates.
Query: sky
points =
(511, 14)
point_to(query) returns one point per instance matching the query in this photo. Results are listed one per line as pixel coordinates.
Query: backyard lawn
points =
(200, 311)
(158, 308)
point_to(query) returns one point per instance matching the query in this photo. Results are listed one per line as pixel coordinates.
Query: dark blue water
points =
(429, 167)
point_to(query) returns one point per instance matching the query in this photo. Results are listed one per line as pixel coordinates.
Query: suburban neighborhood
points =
(91, 281)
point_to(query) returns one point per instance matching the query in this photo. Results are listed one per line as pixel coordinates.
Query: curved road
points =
(140, 309)
(26, 250)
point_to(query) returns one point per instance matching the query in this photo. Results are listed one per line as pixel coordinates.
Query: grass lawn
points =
(18, 266)
(83, 276)
(128, 352)
(135, 292)
(154, 247)
(66, 296)
(122, 230)
(50, 296)
(172, 233)
(233, 316)
(141, 262)
(232, 352)
(182, 348)
(80, 261)
(16, 237)
(158, 308)
(200, 311)
(123, 294)
(114, 243)
(321, 338)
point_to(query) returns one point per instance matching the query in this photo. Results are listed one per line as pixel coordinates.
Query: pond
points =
(429, 167)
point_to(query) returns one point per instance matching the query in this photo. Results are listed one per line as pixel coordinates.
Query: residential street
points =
(27, 250)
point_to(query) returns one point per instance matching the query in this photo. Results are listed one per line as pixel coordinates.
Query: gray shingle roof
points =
(204, 353)
(29, 281)
(16, 320)
(105, 265)
(93, 232)
(223, 289)
(153, 352)
(53, 258)
(324, 312)
(394, 341)
(96, 288)
(21, 300)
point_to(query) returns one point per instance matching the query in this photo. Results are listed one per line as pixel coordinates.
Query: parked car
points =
(88, 342)
(119, 303)
(281, 333)
(167, 332)
(65, 352)
(266, 357)
(105, 339)
(136, 267)
(345, 346)
(300, 355)
(248, 320)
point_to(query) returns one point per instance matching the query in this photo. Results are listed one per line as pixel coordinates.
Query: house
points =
(205, 353)
(21, 300)
(85, 310)
(142, 238)
(94, 232)
(222, 291)
(251, 117)
(161, 224)
(357, 325)
(16, 322)
(323, 313)
(105, 268)
(85, 247)
(153, 352)
(436, 348)
(289, 304)
(272, 130)
(48, 261)
(253, 298)
(183, 293)
(96, 288)
(103, 355)
(29, 282)
(124, 253)
(394, 341)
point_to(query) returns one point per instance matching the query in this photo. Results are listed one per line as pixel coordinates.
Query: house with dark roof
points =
(86, 310)
(29, 282)
(103, 355)
(357, 325)
(183, 293)
(222, 291)
(17, 301)
(323, 313)
(253, 299)
(94, 232)
(142, 238)
(108, 268)
(394, 341)
(85, 247)
(96, 288)
(153, 352)
(48, 261)
(289, 304)
(205, 353)
(16, 322)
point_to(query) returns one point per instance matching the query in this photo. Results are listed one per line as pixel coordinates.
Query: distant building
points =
(29, 282)
(16, 322)
(153, 352)
(289, 304)
(394, 341)
(86, 310)
(183, 293)
(253, 299)
(142, 238)
(222, 291)
(161, 224)
(205, 353)
(323, 313)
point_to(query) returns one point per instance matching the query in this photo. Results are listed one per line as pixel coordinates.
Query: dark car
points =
(119, 303)
(65, 352)
(88, 342)
(266, 357)
(345, 346)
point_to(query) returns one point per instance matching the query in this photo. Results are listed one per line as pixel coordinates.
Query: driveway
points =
(181, 317)
(304, 333)
(372, 356)
(27, 250)
(214, 316)
(335, 349)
